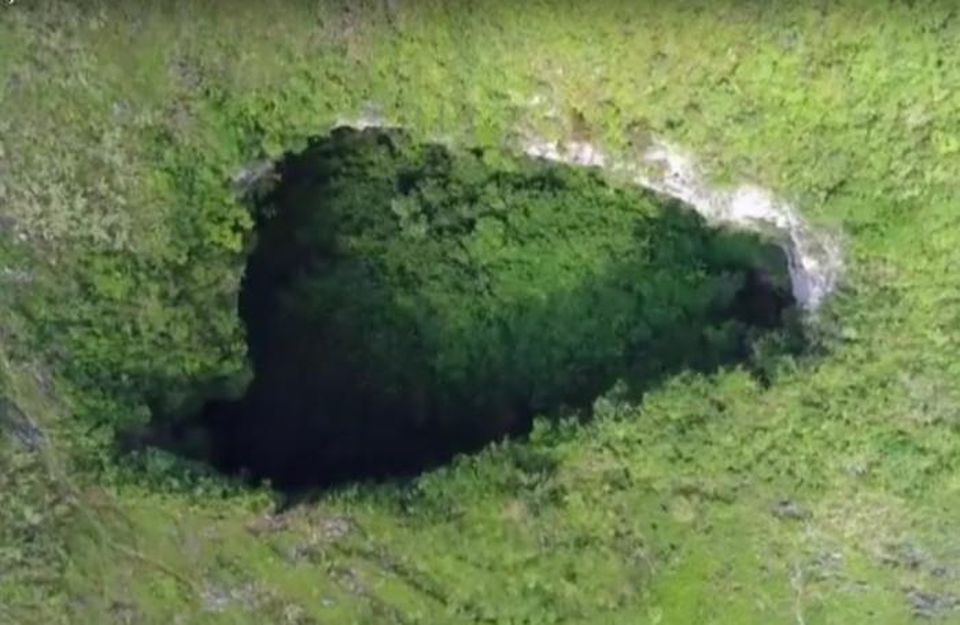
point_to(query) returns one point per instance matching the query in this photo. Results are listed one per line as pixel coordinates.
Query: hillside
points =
(773, 483)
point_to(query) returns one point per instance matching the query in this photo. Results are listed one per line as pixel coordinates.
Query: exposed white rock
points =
(814, 256)
(364, 121)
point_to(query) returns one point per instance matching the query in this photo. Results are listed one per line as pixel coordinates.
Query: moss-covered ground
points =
(829, 495)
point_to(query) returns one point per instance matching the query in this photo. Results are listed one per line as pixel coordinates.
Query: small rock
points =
(15, 276)
(857, 470)
(294, 614)
(931, 605)
(255, 178)
(120, 110)
(217, 598)
(268, 524)
(19, 428)
(905, 555)
(827, 564)
(302, 553)
(352, 582)
(125, 613)
(790, 510)
(335, 528)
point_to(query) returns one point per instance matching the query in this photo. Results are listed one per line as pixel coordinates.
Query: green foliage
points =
(116, 150)
(34, 513)
(37, 507)
(404, 300)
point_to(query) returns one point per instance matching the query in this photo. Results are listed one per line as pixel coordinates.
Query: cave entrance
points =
(405, 303)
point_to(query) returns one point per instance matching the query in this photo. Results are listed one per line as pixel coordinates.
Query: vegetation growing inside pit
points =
(404, 302)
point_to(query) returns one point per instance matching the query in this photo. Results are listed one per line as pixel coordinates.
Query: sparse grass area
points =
(831, 496)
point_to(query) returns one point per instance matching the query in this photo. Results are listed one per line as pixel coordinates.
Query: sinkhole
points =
(407, 302)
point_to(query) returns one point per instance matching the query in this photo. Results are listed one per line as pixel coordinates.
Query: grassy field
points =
(831, 495)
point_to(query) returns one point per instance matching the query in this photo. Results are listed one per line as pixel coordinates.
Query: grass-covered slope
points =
(830, 496)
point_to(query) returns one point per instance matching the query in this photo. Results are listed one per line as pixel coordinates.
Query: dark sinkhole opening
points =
(405, 303)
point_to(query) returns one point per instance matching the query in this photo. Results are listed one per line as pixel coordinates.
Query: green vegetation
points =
(405, 302)
(829, 495)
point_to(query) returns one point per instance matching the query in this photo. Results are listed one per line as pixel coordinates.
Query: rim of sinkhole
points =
(407, 302)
